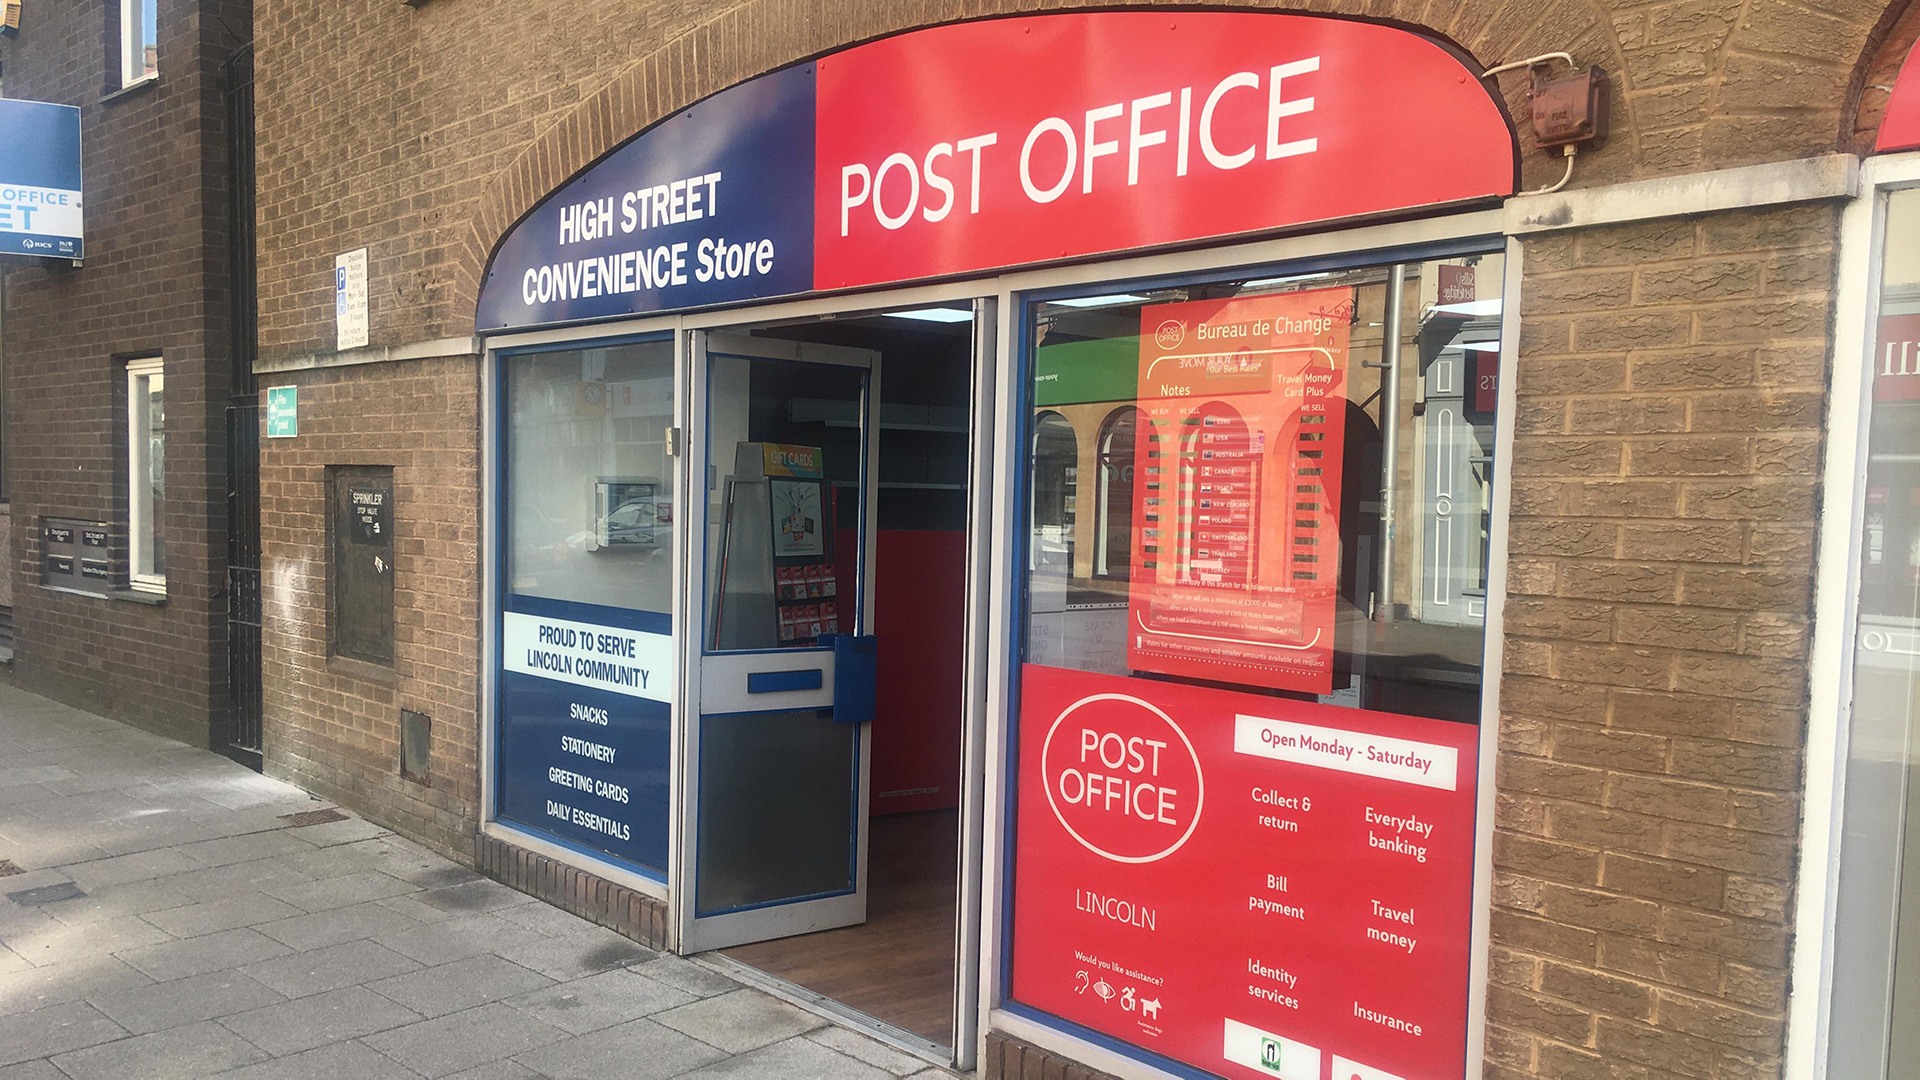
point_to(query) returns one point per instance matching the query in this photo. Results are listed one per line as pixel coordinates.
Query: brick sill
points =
(114, 97)
(131, 596)
(360, 669)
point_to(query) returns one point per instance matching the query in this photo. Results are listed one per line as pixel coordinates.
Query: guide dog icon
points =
(1150, 1008)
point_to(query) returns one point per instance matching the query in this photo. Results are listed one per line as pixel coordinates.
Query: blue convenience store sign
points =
(40, 196)
(712, 206)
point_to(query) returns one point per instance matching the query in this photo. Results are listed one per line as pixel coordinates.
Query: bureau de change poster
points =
(1237, 488)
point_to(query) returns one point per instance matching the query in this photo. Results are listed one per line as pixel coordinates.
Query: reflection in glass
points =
(1876, 1006)
(1114, 531)
(589, 502)
(156, 478)
(147, 473)
(1056, 457)
(1233, 431)
(782, 514)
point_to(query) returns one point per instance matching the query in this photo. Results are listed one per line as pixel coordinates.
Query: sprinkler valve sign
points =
(1254, 886)
(1237, 512)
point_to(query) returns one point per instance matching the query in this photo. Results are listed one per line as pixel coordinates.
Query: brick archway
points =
(1873, 77)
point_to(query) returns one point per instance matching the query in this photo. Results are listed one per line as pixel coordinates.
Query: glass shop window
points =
(1246, 740)
(589, 499)
(1243, 529)
(147, 474)
(783, 521)
(1113, 532)
(1056, 471)
(1876, 1007)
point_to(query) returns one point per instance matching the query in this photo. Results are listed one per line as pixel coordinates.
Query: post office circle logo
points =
(1170, 334)
(1122, 778)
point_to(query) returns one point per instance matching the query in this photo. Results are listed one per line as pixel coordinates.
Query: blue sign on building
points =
(586, 698)
(40, 180)
(712, 205)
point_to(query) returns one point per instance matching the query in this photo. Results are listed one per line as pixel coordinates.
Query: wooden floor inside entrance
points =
(898, 966)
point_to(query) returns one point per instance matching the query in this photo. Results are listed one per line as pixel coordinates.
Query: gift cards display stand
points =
(775, 582)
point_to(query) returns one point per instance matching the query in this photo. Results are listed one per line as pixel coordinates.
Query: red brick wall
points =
(156, 234)
(1665, 474)
(412, 131)
(333, 726)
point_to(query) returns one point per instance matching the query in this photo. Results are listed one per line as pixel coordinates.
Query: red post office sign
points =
(996, 143)
(1254, 886)
(1900, 124)
(984, 145)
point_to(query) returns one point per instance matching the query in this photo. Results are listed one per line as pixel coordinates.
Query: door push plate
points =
(783, 682)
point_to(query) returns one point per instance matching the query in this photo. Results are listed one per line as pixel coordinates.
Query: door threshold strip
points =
(794, 994)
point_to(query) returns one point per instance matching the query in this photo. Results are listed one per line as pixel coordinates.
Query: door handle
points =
(856, 677)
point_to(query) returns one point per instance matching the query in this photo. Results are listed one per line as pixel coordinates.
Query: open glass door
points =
(777, 748)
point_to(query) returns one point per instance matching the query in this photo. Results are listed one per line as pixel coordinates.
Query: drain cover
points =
(8, 868)
(313, 817)
(45, 894)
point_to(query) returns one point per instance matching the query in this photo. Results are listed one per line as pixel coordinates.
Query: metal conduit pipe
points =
(1389, 434)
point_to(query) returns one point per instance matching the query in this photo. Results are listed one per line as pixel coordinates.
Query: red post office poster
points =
(1255, 886)
(1237, 491)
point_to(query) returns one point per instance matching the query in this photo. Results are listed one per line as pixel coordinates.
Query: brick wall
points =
(1665, 474)
(377, 130)
(589, 896)
(1008, 1058)
(154, 168)
(1665, 490)
(332, 726)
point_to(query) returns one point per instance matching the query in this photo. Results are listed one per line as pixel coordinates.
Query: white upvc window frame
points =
(142, 374)
(1810, 1052)
(133, 43)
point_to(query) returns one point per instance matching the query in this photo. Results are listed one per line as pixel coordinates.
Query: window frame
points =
(141, 525)
(132, 41)
(1823, 966)
(1441, 237)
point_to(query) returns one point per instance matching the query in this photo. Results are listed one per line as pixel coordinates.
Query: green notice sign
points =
(283, 412)
(1077, 372)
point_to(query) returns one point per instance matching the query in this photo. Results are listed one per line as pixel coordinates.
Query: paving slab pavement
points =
(163, 919)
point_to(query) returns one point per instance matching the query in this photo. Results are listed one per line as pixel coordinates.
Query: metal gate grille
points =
(243, 422)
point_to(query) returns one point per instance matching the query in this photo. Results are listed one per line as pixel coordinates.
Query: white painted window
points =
(139, 22)
(146, 474)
